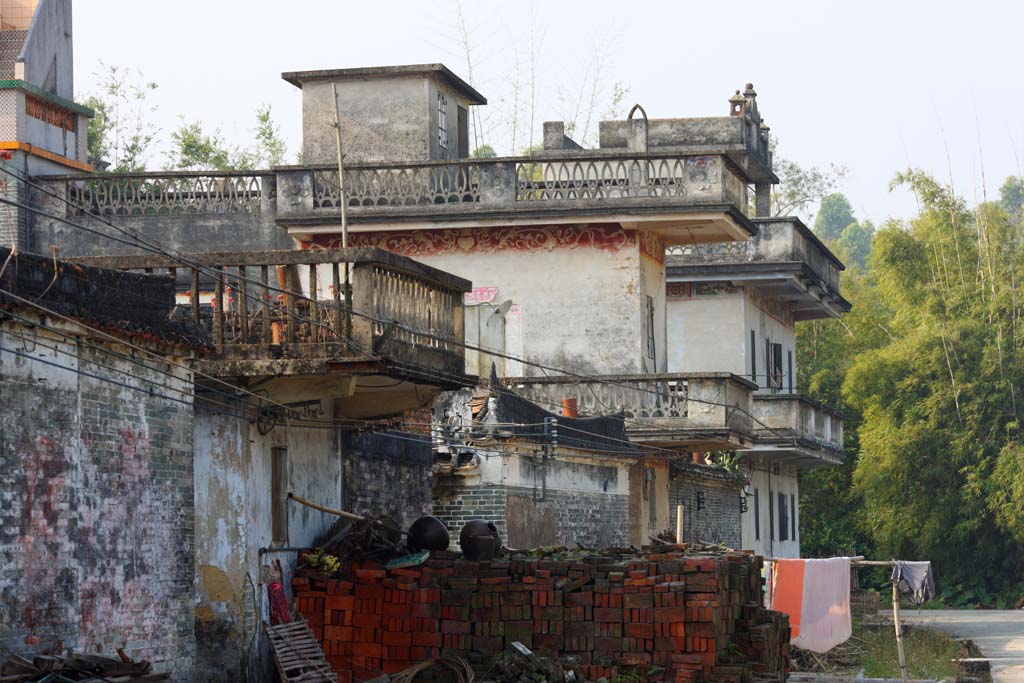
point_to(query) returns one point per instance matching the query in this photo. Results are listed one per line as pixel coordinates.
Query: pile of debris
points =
(79, 668)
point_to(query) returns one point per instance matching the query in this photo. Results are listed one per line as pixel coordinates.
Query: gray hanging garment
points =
(914, 578)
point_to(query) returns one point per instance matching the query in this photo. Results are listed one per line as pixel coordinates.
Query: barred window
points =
(442, 120)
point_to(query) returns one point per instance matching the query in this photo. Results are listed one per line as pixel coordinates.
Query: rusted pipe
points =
(570, 407)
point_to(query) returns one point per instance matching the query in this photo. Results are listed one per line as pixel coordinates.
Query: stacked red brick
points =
(659, 616)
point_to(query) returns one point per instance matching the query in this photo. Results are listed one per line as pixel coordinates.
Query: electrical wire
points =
(327, 304)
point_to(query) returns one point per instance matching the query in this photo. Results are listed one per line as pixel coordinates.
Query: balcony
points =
(691, 411)
(279, 319)
(798, 430)
(784, 260)
(688, 198)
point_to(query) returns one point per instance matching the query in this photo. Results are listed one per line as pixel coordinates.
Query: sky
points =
(871, 86)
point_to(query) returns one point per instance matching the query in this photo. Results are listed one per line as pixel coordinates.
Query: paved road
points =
(999, 635)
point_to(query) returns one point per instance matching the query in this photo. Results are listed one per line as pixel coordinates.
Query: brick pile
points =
(656, 616)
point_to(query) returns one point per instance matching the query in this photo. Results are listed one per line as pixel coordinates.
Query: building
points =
(97, 513)
(749, 296)
(42, 129)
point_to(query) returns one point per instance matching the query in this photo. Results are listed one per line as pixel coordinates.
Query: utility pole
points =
(347, 286)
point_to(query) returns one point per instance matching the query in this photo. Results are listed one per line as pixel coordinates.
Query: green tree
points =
(834, 214)
(483, 152)
(854, 244)
(121, 134)
(1011, 197)
(801, 188)
(195, 149)
(938, 394)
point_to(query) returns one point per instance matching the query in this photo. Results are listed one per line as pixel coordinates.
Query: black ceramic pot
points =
(479, 540)
(428, 533)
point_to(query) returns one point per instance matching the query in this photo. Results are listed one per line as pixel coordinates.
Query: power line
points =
(328, 304)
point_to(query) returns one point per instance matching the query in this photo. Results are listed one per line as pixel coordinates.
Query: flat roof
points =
(440, 71)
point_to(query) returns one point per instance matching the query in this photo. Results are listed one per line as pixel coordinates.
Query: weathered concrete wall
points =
(182, 232)
(711, 503)
(96, 511)
(767, 483)
(576, 290)
(727, 315)
(706, 333)
(48, 49)
(234, 501)
(369, 473)
(382, 120)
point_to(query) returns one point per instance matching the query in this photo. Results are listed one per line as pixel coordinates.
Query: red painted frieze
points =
(420, 243)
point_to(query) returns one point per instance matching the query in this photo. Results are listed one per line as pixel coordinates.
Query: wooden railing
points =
(274, 304)
(658, 403)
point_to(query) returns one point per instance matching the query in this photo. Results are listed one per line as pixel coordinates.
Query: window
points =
(771, 516)
(783, 518)
(279, 495)
(792, 515)
(757, 513)
(652, 506)
(652, 350)
(753, 357)
(789, 367)
(463, 132)
(767, 363)
(775, 375)
(442, 120)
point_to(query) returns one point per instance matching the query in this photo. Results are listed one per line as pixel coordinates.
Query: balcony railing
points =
(162, 194)
(573, 178)
(777, 240)
(661, 406)
(290, 305)
(577, 180)
(783, 416)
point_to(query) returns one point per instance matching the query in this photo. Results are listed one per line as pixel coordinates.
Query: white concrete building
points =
(748, 297)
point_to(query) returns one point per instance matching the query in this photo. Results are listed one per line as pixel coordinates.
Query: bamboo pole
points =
(344, 211)
(324, 508)
(899, 632)
(679, 523)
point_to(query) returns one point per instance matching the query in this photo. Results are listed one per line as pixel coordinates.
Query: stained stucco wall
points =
(768, 482)
(96, 512)
(233, 475)
(706, 334)
(382, 120)
(575, 290)
(49, 45)
(725, 315)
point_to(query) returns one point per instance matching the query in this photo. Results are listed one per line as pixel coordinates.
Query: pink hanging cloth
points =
(816, 596)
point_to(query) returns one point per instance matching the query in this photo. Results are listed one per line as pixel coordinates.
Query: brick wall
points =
(387, 475)
(652, 615)
(591, 519)
(96, 508)
(719, 521)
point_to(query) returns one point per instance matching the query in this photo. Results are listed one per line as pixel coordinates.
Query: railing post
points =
(243, 305)
(363, 306)
(498, 183)
(218, 308)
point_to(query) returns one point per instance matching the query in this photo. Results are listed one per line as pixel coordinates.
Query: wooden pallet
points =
(297, 654)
